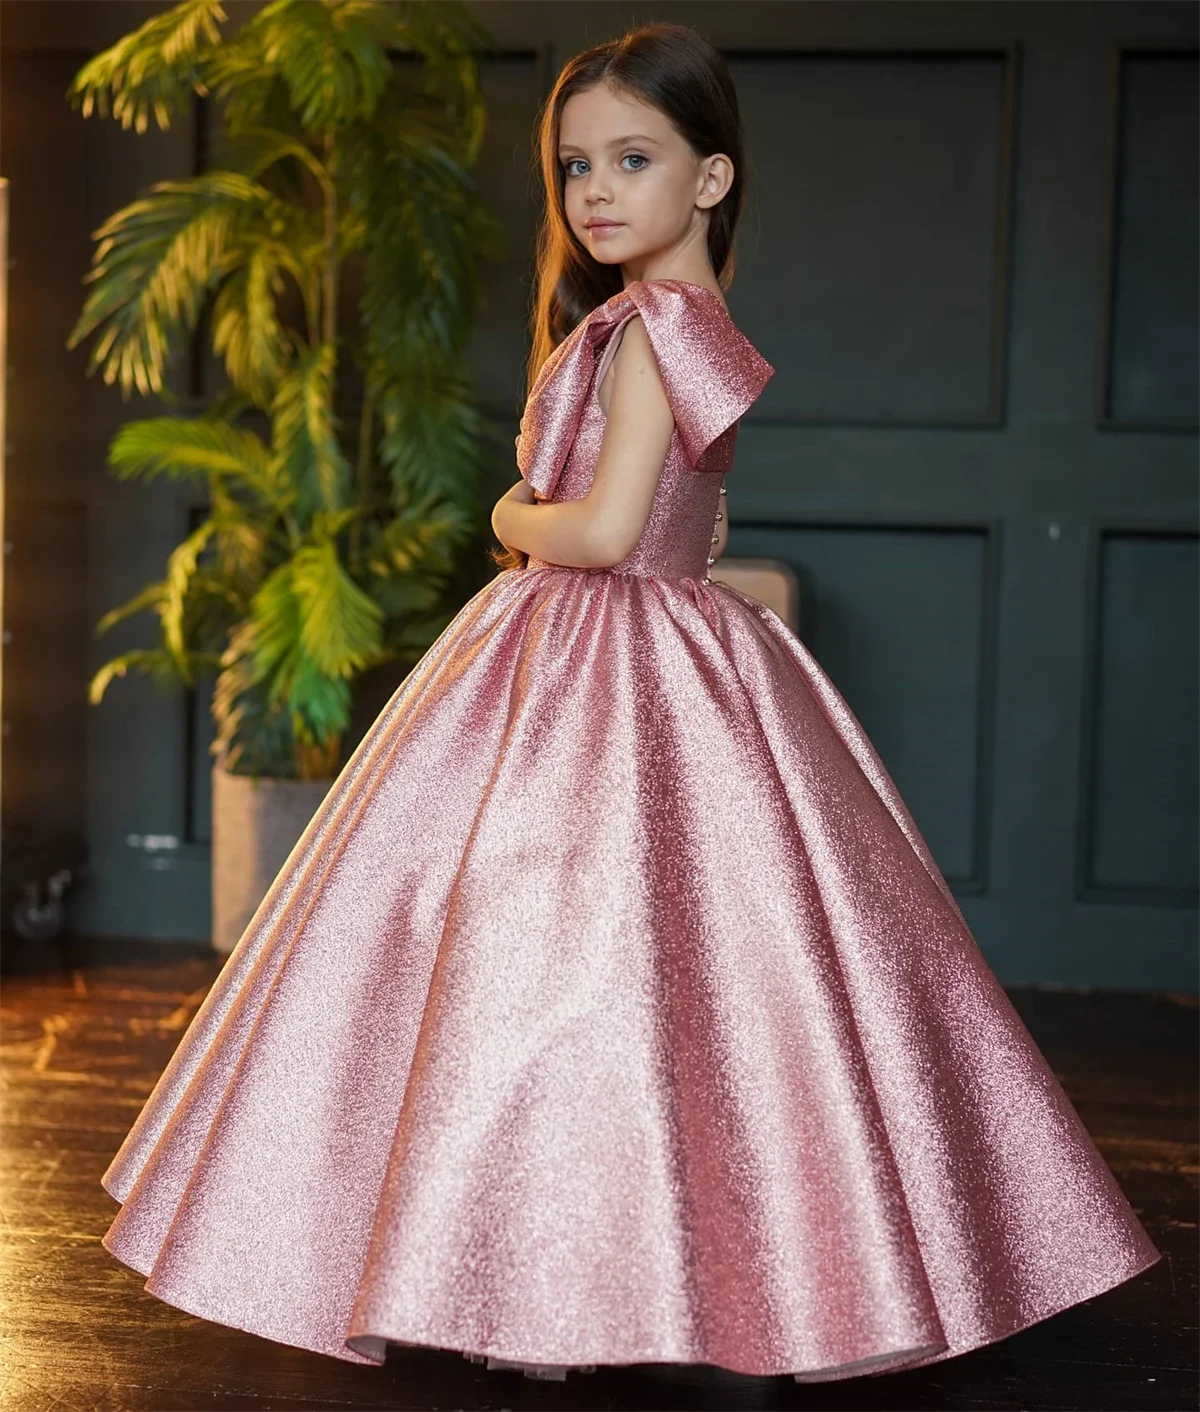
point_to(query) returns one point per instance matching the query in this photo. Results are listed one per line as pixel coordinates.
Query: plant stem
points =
(330, 279)
(362, 469)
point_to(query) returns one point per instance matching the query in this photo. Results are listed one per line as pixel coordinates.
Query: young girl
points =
(611, 1009)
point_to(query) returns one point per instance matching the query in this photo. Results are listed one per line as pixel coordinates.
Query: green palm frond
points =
(273, 637)
(153, 662)
(319, 705)
(156, 261)
(146, 600)
(193, 606)
(408, 598)
(420, 280)
(244, 542)
(306, 570)
(432, 437)
(421, 537)
(152, 71)
(181, 569)
(249, 89)
(340, 625)
(449, 40)
(247, 332)
(416, 634)
(408, 563)
(213, 606)
(254, 734)
(328, 524)
(332, 57)
(272, 640)
(213, 451)
(307, 454)
(255, 150)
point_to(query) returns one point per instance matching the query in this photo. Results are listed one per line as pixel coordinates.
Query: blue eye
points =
(639, 157)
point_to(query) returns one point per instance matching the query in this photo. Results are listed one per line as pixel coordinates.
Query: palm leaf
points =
(249, 89)
(154, 662)
(340, 625)
(408, 597)
(271, 633)
(247, 331)
(306, 451)
(332, 57)
(332, 150)
(210, 450)
(448, 38)
(255, 149)
(156, 261)
(273, 642)
(146, 600)
(153, 70)
(319, 705)
(212, 608)
(432, 437)
(181, 568)
(253, 734)
(243, 541)
(428, 230)
(415, 635)
(421, 538)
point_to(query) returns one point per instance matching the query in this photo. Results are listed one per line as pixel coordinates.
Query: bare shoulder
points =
(633, 376)
(634, 350)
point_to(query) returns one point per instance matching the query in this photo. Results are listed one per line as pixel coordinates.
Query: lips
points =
(601, 225)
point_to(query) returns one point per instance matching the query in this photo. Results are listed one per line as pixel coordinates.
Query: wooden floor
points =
(85, 1031)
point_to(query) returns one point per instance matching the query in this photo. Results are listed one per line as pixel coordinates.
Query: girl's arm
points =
(605, 525)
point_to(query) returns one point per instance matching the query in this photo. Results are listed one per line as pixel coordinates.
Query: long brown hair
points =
(676, 70)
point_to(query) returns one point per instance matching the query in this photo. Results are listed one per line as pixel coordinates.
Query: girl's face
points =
(636, 195)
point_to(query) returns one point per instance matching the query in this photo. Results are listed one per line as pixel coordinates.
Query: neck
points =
(688, 262)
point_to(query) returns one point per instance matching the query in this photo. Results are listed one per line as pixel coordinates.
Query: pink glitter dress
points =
(611, 1009)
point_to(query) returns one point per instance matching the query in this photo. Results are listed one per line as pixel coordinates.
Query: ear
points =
(717, 178)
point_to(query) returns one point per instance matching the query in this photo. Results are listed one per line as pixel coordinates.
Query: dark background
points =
(970, 253)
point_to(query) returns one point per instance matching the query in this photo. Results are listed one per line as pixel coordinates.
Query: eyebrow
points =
(616, 142)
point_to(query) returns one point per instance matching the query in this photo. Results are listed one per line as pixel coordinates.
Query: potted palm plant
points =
(328, 259)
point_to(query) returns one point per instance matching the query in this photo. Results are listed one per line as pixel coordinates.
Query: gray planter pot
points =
(255, 825)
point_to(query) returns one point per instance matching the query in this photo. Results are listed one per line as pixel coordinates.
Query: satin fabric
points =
(611, 1008)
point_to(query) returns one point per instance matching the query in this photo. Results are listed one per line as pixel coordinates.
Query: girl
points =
(611, 1008)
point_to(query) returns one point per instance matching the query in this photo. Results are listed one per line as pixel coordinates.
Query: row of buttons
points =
(716, 539)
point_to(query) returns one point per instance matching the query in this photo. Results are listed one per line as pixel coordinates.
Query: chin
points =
(613, 252)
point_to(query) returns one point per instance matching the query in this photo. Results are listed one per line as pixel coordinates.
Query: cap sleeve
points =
(555, 404)
(711, 372)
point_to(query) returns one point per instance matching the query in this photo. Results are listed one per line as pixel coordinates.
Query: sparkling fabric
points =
(611, 1008)
(711, 374)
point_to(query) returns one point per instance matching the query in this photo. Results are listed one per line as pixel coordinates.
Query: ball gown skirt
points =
(611, 1008)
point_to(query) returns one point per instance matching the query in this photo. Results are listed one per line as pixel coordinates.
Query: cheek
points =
(577, 207)
(657, 197)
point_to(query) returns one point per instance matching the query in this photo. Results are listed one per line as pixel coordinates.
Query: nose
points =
(596, 187)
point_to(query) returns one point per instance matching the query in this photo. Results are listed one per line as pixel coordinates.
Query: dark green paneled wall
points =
(971, 254)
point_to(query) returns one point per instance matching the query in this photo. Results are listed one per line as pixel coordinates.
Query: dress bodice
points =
(711, 374)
